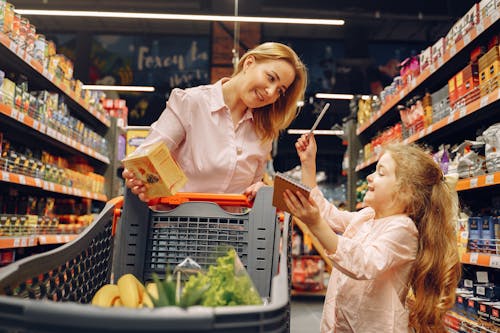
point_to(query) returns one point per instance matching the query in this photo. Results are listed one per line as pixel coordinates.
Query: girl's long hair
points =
(271, 119)
(433, 205)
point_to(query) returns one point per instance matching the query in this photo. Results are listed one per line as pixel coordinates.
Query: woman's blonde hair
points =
(433, 206)
(273, 118)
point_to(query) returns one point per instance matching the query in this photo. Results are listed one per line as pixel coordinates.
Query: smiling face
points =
(382, 194)
(265, 81)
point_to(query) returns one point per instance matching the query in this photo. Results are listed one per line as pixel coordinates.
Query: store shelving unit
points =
(461, 122)
(35, 134)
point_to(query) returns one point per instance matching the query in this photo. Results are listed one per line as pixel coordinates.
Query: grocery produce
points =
(107, 296)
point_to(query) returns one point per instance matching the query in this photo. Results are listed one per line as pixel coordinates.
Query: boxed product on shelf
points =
(437, 51)
(307, 273)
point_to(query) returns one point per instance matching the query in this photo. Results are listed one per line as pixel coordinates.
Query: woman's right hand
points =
(135, 185)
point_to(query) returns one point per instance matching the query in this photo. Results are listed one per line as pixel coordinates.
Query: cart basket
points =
(50, 292)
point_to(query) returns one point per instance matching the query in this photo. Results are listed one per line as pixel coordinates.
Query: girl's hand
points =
(306, 147)
(305, 209)
(251, 191)
(135, 185)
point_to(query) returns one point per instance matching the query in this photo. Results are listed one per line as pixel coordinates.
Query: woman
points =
(221, 134)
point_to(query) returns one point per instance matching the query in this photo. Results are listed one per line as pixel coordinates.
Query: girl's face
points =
(264, 82)
(382, 191)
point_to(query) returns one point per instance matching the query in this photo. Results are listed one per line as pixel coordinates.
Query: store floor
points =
(306, 314)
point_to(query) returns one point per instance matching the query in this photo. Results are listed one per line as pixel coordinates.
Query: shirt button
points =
(239, 150)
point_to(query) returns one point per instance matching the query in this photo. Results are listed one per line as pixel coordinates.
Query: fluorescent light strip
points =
(118, 88)
(316, 132)
(159, 16)
(339, 96)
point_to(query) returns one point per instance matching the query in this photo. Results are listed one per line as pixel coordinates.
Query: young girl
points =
(221, 134)
(396, 263)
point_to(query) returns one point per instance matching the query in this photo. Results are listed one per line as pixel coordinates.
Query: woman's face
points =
(264, 82)
(382, 188)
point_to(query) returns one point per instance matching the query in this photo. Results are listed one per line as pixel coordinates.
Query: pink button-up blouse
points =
(215, 156)
(370, 279)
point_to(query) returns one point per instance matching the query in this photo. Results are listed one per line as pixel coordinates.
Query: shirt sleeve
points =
(172, 125)
(337, 219)
(369, 258)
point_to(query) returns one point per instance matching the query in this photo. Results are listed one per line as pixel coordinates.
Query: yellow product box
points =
(134, 137)
(156, 168)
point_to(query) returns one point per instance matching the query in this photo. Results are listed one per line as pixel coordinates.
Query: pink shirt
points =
(215, 156)
(369, 282)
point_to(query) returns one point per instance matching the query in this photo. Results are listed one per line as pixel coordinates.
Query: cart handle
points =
(235, 200)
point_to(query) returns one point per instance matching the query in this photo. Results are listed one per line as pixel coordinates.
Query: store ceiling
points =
(388, 20)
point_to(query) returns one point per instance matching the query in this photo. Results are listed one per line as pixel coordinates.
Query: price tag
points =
(58, 239)
(401, 94)
(66, 238)
(495, 261)
(440, 61)
(20, 117)
(32, 240)
(483, 102)
(5, 176)
(20, 52)
(474, 257)
(22, 180)
(463, 112)
(43, 128)
(42, 239)
(27, 58)
(490, 179)
(13, 46)
(420, 134)
(17, 241)
(429, 129)
(38, 182)
(413, 83)
(51, 187)
(14, 114)
(479, 27)
(453, 50)
(466, 39)
(45, 185)
(473, 182)
(24, 242)
(451, 118)
(36, 124)
(433, 68)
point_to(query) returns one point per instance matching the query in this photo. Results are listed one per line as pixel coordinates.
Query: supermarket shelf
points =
(479, 181)
(321, 293)
(316, 244)
(481, 259)
(18, 55)
(50, 132)
(49, 186)
(449, 54)
(473, 107)
(35, 240)
(457, 321)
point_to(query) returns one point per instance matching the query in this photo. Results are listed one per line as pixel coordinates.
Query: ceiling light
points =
(159, 16)
(340, 96)
(118, 88)
(316, 132)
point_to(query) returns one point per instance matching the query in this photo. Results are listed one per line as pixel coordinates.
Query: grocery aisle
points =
(306, 314)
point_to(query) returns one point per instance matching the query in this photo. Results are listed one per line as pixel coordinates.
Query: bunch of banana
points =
(128, 292)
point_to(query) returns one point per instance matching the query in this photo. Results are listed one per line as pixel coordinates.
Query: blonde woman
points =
(221, 134)
(396, 264)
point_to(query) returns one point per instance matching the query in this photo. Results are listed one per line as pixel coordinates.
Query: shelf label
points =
(51, 187)
(474, 257)
(473, 182)
(42, 239)
(440, 61)
(489, 179)
(466, 39)
(22, 180)
(401, 94)
(433, 68)
(484, 101)
(24, 242)
(13, 46)
(27, 58)
(38, 182)
(5, 176)
(495, 261)
(16, 242)
(14, 114)
(462, 112)
(59, 239)
(428, 130)
(480, 27)
(451, 118)
(453, 50)
(36, 124)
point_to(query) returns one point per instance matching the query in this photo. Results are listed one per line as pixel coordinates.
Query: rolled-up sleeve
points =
(368, 257)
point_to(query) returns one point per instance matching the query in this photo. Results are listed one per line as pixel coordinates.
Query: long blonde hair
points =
(271, 119)
(433, 206)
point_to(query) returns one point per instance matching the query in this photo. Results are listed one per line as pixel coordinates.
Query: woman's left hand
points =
(251, 191)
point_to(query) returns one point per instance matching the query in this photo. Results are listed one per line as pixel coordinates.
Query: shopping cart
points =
(50, 292)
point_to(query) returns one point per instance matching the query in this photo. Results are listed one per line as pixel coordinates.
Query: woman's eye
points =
(271, 78)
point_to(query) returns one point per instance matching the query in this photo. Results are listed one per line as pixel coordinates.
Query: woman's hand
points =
(305, 209)
(135, 185)
(251, 191)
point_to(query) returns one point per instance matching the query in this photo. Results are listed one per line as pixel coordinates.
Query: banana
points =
(107, 296)
(152, 289)
(131, 291)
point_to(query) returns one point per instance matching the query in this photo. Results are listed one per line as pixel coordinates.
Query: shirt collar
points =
(218, 103)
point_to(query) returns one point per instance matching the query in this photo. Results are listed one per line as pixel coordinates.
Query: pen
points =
(316, 123)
